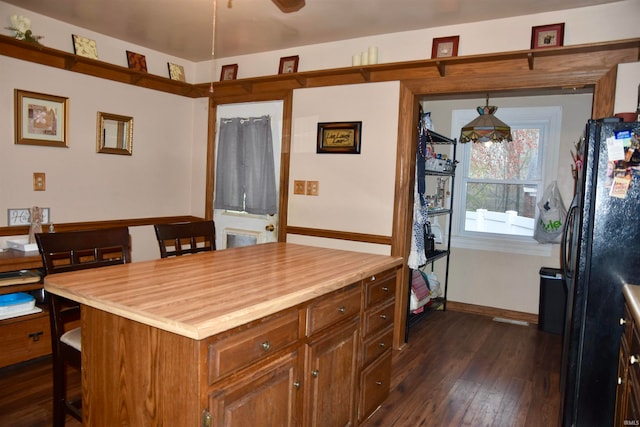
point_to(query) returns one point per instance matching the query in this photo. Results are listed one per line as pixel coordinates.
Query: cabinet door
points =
(330, 377)
(269, 396)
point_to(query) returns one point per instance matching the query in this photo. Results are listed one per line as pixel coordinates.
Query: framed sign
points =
(41, 119)
(339, 137)
(229, 72)
(444, 47)
(547, 36)
(289, 64)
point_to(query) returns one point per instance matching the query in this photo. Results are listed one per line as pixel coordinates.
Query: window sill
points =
(493, 243)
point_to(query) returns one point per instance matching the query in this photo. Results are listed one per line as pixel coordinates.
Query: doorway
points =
(237, 228)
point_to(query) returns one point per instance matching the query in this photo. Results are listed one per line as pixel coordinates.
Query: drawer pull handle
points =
(266, 346)
(373, 278)
(36, 336)
(385, 289)
(382, 345)
(315, 373)
(297, 384)
(383, 316)
(342, 310)
(379, 382)
(633, 359)
(619, 380)
(622, 322)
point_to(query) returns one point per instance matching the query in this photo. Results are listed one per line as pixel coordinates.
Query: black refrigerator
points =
(601, 252)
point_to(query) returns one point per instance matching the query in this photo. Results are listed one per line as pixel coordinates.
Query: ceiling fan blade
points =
(288, 6)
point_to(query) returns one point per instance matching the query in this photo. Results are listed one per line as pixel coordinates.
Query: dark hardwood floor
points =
(458, 369)
(461, 369)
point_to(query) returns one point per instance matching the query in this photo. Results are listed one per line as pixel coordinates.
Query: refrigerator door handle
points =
(567, 242)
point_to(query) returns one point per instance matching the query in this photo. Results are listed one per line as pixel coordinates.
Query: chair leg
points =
(59, 394)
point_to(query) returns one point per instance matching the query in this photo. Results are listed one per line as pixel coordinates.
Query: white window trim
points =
(551, 118)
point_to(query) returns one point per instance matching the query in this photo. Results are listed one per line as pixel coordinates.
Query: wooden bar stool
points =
(185, 238)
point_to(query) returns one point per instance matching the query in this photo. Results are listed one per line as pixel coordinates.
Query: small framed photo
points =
(41, 119)
(339, 137)
(136, 61)
(444, 47)
(229, 72)
(83, 46)
(547, 36)
(288, 64)
(176, 72)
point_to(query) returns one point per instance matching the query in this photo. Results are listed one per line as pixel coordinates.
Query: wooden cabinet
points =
(628, 392)
(269, 396)
(377, 335)
(24, 338)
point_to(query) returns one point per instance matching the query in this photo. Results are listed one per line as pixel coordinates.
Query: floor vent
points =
(513, 322)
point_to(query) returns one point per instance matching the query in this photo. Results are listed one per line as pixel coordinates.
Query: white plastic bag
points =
(552, 216)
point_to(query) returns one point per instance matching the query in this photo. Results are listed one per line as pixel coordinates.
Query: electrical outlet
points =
(39, 181)
(312, 188)
(299, 187)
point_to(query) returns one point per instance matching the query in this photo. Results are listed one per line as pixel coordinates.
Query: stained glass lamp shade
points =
(486, 127)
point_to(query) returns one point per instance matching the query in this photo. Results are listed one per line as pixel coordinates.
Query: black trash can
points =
(553, 299)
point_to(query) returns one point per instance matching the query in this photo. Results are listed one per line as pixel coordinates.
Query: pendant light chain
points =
(213, 44)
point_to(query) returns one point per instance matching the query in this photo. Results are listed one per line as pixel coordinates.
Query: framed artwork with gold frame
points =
(83, 46)
(339, 137)
(41, 119)
(176, 72)
(444, 47)
(544, 36)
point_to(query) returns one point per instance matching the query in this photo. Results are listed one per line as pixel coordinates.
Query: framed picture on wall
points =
(444, 47)
(176, 72)
(229, 72)
(289, 64)
(136, 61)
(40, 119)
(339, 137)
(83, 46)
(547, 36)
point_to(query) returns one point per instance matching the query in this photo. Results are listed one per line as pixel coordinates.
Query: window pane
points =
(500, 208)
(515, 160)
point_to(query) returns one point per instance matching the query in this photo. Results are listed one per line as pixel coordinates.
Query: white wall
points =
(356, 191)
(627, 88)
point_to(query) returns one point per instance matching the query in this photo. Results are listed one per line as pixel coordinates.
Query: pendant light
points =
(486, 127)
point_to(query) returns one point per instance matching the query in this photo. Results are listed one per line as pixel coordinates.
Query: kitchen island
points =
(272, 334)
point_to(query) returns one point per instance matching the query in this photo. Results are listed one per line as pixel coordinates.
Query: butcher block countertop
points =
(632, 296)
(200, 295)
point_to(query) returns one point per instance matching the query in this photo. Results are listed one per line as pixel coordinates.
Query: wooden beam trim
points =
(341, 235)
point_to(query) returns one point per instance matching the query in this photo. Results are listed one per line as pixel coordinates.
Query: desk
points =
(170, 341)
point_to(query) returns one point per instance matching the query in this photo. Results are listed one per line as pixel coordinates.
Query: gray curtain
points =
(245, 175)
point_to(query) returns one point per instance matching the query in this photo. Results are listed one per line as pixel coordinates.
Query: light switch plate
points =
(299, 187)
(22, 216)
(312, 188)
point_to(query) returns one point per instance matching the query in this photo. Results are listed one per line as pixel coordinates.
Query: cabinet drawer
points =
(248, 346)
(380, 287)
(375, 345)
(333, 308)
(375, 384)
(378, 318)
(24, 338)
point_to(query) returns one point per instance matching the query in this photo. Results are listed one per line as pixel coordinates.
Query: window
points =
(498, 185)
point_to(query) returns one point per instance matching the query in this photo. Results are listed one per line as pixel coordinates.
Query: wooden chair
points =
(70, 251)
(186, 238)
